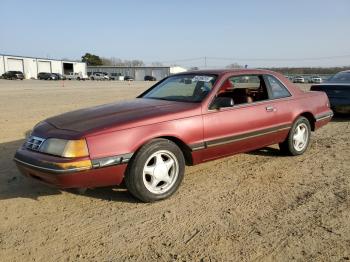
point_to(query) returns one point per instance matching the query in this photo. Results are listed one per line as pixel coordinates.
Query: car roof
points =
(226, 71)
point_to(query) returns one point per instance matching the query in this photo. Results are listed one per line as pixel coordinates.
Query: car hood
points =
(118, 116)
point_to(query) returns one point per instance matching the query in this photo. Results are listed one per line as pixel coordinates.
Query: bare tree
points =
(113, 61)
(234, 66)
(157, 64)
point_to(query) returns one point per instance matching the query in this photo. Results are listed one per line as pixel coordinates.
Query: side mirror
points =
(222, 102)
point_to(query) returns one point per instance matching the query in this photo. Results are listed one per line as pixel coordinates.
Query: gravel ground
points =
(258, 206)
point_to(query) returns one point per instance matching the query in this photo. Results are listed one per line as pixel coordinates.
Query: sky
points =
(251, 32)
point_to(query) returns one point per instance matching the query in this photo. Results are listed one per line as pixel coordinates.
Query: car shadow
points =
(341, 118)
(14, 185)
(267, 151)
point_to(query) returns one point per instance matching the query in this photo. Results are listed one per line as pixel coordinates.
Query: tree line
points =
(308, 70)
(95, 60)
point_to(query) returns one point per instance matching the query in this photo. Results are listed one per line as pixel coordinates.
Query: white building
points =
(31, 66)
(177, 69)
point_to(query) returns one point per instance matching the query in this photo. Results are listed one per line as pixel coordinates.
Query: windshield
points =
(341, 77)
(184, 88)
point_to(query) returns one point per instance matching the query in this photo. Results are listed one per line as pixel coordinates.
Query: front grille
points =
(34, 143)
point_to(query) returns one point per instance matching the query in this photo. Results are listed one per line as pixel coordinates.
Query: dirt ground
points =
(259, 206)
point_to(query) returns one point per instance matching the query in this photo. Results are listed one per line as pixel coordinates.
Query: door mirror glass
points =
(222, 102)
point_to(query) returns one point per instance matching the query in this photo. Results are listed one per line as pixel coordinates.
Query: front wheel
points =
(298, 138)
(156, 171)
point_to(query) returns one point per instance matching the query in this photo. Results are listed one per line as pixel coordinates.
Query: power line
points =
(183, 60)
(279, 59)
(206, 58)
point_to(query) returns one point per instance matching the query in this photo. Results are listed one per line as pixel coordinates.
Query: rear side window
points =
(278, 90)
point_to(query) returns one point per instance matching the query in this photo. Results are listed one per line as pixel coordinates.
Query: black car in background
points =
(46, 76)
(128, 78)
(150, 78)
(337, 89)
(12, 75)
(59, 76)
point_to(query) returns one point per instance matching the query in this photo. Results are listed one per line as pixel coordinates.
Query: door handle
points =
(271, 109)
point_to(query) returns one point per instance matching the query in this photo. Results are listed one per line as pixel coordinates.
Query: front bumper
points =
(68, 172)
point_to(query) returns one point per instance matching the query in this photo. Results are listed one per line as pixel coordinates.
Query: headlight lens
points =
(65, 148)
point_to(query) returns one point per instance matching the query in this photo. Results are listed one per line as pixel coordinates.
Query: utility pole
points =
(205, 62)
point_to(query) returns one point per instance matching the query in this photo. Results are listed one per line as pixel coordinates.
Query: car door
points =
(244, 126)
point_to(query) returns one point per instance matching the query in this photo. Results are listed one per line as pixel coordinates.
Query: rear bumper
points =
(67, 173)
(342, 109)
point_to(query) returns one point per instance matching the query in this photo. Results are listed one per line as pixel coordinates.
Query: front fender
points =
(189, 130)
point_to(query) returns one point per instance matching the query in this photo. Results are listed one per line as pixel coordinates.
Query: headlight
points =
(65, 148)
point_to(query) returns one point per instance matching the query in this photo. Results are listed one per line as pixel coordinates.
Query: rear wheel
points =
(298, 138)
(156, 171)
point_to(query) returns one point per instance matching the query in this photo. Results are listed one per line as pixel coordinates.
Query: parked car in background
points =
(106, 76)
(114, 76)
(299, 79)
(150, 78)
(75, 76)
(13, 75)
(46, 76)
(147, 142)
(315, 80)
(59, 76)
(337, 89)
(128, 78)
(99, 76)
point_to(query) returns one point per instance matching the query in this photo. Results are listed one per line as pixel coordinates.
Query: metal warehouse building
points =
(138, 73)
(31, 66)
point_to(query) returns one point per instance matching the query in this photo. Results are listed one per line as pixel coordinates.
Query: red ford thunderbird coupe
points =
(185, 119)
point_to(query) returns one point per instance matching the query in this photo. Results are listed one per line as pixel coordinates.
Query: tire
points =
(155, 172)
(92, 78)
(295, 144)
(78, 78)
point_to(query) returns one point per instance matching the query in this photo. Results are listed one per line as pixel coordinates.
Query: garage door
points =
(44, 66)
(15, 64)
(140, 74)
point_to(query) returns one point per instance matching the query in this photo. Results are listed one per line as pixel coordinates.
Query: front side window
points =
(183, 88)
(278, 90)
(244, 89)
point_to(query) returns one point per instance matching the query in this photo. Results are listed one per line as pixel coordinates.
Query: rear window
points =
(342, 77)
(278, 90)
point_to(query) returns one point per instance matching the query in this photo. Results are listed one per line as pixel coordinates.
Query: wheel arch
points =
(309, 116)
(185, 149)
